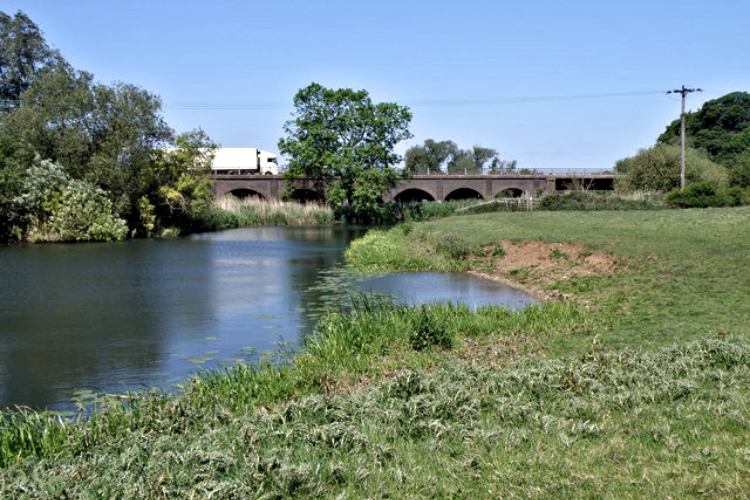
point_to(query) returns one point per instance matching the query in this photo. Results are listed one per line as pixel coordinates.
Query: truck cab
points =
(267, 163)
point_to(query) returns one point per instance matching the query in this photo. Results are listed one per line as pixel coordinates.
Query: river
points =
(78, 319)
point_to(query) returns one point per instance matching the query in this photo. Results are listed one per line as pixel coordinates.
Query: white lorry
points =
(244, 161)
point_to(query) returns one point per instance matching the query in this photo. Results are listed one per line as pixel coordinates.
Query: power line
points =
(417, 103)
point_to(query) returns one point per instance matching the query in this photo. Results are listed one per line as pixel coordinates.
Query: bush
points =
(453, 247)
(580, 200)
(430, 329)
(658, 169)
(54, 207)
(699, 195)
(735, 196)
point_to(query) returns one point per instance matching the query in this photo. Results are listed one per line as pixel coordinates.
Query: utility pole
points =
(684, 91)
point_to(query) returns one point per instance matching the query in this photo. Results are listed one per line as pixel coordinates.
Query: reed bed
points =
(256, 212)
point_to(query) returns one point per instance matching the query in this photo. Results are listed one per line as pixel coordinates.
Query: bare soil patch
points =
(535, 266)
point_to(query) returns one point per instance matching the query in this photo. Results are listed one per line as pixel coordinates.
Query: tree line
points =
(82, 160)
(717, 153)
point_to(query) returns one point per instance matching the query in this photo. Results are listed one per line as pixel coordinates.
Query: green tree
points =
(721, 127)
(658, 169)
(104, 135)
(24, 54)
(343, 142)
(430, 157)
(472, 161)
(175, 183)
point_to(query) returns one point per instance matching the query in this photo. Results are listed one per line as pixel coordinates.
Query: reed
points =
(256, 212)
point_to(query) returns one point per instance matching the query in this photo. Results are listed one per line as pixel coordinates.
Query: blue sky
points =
(501, 74)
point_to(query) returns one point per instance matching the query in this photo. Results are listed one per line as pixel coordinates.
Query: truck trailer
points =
(244, 161)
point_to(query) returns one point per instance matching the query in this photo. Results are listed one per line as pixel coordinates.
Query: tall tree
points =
(430, 157)
(102, 134)
(342, 141)
(721, 128)
(471, 161)
(24, 54)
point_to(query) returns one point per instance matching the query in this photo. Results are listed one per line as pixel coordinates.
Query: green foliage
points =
(472, 161)
(344, 144)
(446, 157)
(721, 128)
(58, 208)
(421, 211)
(702, 195)
(429, 158)
(739, 170)
(581, 200)
(111, 137)
(430, 330)
(658, 169)
(453, 247)
(24, 54)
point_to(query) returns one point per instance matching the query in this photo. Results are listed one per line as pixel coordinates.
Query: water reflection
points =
(113, 317)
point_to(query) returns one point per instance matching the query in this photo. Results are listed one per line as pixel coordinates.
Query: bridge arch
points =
(464, 193)
(414, 194)
(516, 191)
(243, 193)
(511, 192)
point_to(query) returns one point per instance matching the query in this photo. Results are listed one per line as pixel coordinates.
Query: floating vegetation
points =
(211, 338)
(200, 361)
(212, 352)
(270, 316)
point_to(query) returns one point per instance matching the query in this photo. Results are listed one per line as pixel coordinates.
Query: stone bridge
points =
(426, 187)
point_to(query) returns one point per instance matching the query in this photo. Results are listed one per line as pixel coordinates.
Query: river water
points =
(109, 318)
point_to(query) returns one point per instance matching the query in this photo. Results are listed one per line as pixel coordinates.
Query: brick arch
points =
(456, 194)
(524, 190)
(394, 194)
(227, 189)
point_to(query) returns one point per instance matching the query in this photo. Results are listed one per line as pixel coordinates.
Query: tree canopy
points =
(94, 140)
(429, 158)
(446, 157)
(343, 142)
(721, 128)
(24, 54)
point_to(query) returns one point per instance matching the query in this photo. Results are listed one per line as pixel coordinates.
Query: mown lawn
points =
(634, 385)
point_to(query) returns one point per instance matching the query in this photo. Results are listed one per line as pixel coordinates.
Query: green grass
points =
(685, 273)
(635, 386)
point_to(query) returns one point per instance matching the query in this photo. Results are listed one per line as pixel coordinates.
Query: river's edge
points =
(382, 403)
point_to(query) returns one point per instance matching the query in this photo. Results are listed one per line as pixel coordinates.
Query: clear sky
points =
(509, 75)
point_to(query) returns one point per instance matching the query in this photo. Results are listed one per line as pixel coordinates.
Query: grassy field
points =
(631, 382)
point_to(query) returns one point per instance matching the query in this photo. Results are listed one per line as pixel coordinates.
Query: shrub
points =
(453, 247)
(54, 207)
(580, 200)
(658, 169)
(430, 330)
(699, 195)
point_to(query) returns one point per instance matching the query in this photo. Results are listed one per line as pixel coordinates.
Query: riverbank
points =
(629, 382)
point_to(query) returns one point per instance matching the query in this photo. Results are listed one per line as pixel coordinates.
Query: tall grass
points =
(256, 212)
(373, 336)
(667, 424)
